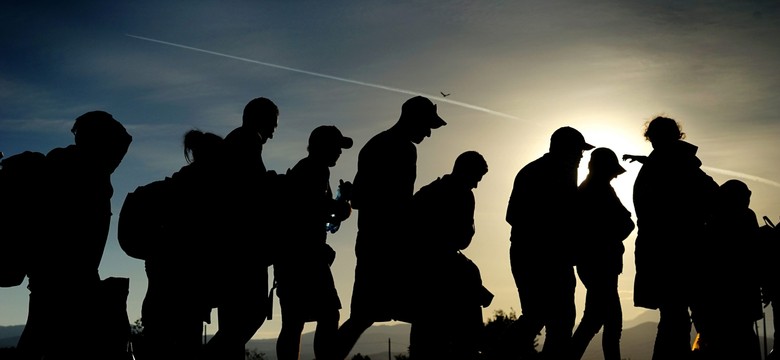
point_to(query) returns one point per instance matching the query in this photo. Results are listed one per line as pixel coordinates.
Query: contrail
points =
(413, 93)
(331, 77)
(742, 175)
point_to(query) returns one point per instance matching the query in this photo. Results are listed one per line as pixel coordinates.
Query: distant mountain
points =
(636, 343)
(374, 343)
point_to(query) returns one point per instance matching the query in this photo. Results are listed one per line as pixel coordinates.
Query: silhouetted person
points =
(770, 276)
(727, 291)
(544, 194)
(671, 194)
(305, 283)
(448, 320)
(65, 319)
(179, 297)
(383, 190)
(243, 255)
(603, 225)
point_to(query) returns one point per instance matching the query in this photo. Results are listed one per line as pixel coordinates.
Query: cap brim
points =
(346, 142)
(437, 122)
(586, 146)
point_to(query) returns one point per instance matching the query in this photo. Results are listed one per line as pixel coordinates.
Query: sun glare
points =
(621, 140)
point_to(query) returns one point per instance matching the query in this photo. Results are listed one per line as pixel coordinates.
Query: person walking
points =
(179, 295)
(541, 253)
(64, 282)
(671, 198)
(446, 280)
(726, 300)
(603, 224)
(243, 257)
(306, 289)
(382, 195)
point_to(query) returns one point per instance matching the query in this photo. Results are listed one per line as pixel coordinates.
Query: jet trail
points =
(413, 93)
(331, 77)
(741, 175)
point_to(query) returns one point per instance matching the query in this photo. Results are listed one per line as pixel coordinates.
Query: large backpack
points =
(21, 191)
(142, 220)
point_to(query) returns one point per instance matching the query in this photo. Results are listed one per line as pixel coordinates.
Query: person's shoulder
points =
(383, 137)
(536, 164)
(241, 134)
(386, 144)
(61, 154)
(303, 166)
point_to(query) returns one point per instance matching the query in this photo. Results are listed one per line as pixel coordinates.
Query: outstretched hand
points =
(638, 158)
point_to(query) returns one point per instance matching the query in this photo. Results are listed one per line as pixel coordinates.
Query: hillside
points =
(636, 343)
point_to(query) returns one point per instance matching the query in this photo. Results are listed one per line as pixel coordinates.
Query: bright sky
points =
(516, 71)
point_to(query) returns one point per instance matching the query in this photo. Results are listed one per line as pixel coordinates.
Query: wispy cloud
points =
(331, 77)
(742, 176)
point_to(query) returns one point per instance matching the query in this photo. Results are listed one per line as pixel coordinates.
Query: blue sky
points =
(516, 72)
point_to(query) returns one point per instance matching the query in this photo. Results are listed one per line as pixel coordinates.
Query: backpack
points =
(142, 219)
(21, 189)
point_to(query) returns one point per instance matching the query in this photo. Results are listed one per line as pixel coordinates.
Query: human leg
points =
(288, 344)
(241, 313)
(593, 316)
(522, 333)
(325, 336)
(560, 312)
(427, 338)
(348, 334)
(465, 337)
(613, 323)
(673, 338)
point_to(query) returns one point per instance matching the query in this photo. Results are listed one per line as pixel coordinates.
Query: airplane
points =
(443, 94)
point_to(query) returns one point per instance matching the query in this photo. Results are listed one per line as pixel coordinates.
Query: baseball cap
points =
(329, 135)
(567, 137)
(605, 160)
(423, 108)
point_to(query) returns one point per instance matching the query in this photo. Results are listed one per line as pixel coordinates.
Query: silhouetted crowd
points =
(701, 257)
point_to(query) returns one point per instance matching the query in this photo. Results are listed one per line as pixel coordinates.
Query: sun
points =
(622, 140)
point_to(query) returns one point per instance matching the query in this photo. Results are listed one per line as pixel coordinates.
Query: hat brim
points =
(437, 122)
(345, 142)
(586, 146)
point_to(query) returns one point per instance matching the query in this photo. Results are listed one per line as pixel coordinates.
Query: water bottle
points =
(333, 225)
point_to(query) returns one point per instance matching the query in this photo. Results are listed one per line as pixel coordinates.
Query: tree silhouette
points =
(254, 355)
(358, 356)
(137, 339)
(495, 337)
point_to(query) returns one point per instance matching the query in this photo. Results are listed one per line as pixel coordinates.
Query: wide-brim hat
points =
(604, 160)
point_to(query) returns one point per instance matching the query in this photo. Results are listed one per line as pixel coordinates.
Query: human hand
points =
(631, 158)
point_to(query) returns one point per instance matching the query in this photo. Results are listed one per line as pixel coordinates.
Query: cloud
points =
(742, 176)
(336, 78)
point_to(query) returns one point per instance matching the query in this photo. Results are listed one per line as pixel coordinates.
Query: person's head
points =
(262, 116)
(604, 163)
(418, 117)
(470, 166)
(734, 194)
(567, 142)
(201, 147)
(326, 142)
(663, 130)
(102, 139)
